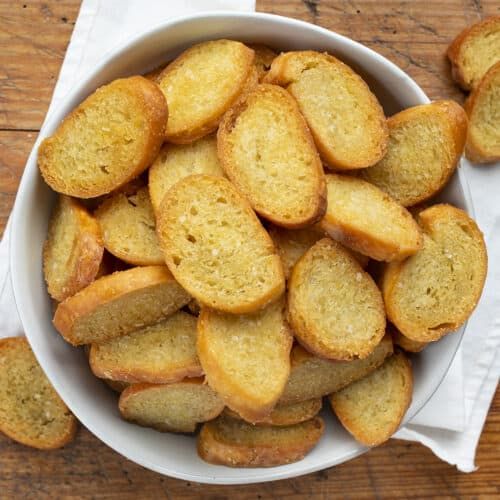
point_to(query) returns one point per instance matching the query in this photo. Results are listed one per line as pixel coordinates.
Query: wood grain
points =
(414, 35)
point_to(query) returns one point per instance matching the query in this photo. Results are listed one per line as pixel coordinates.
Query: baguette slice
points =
(372, 408)
(334, 307)
(202, 84)
(73, 250)
(425, 145)
(116, 385)
(292, 244)
(282, 415)
(119, 304)
(226, 441)
(268, 153)
(109, 139)
(483, 108)
(264, 56)
(178, 407)
(31, 412)
(216, 247)
(434, 292)
(405, 343)
(159, 354)
(128, 228)
(345, 118)
(178, 161)
(474, 51)
(246, 359)
(314, 377)
(367, 220)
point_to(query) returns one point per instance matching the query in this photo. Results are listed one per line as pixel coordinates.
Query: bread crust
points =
(154, 109)
(127, 396)
(286, 71)
(168, 222)
(85, 254)
(343, 409)
(454, 52)
(405, 343)
(391, 277)
(372, 241)
(248, 78)
(234, 454)
(15, 348)
(107, 289)
(308, 331)
(314, 207)
(474, 150)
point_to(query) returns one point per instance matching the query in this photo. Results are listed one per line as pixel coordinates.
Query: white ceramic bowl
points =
(89, 399)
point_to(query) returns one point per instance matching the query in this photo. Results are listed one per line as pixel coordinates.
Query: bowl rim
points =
(30, 174)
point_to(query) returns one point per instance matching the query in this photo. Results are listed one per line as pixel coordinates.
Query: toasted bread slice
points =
(178, 161)
(73, 250)
(234, 443)
(119, 304)
(405, 343)
(246, 359)
(129, 229)
(116, 385)
(264, 56)
(373, 408)
(425, 145)
(202, 84)
(109, 139)
(31, 412)
(345, 118)
(334, 307)
(474, 51)
(178, 407)
(268, 153)
(292, 244)
(433, 292)
(367, 220)
(216, 247)
(281, 415)
(483, 108)
(159, 354)
(314, 377)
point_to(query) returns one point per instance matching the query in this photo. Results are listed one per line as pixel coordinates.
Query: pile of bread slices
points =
(240, 234)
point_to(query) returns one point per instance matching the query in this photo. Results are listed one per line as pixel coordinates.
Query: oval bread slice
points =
(201, 84)
(73, 250)
(345, 118)
(434, 292)
(483, 108)
(268, 153)
(246, 359)
(31, 412)
(118, 304)
(425, 145)
(405, 343)
(234, 443)
(314, 377)
(281, 415)
(373, 408)
(129, 229)
(367, 220)
(161, 353)
(107, 140)
(177, 161)
(334, 307)
(178, 407)
(474, 51)
(216, 247)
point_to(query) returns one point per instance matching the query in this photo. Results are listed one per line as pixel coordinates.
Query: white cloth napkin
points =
(451, 422)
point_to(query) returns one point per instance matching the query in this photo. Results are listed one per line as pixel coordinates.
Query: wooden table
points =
(33, 40)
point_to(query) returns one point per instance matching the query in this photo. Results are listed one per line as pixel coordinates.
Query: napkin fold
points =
(451, 422)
